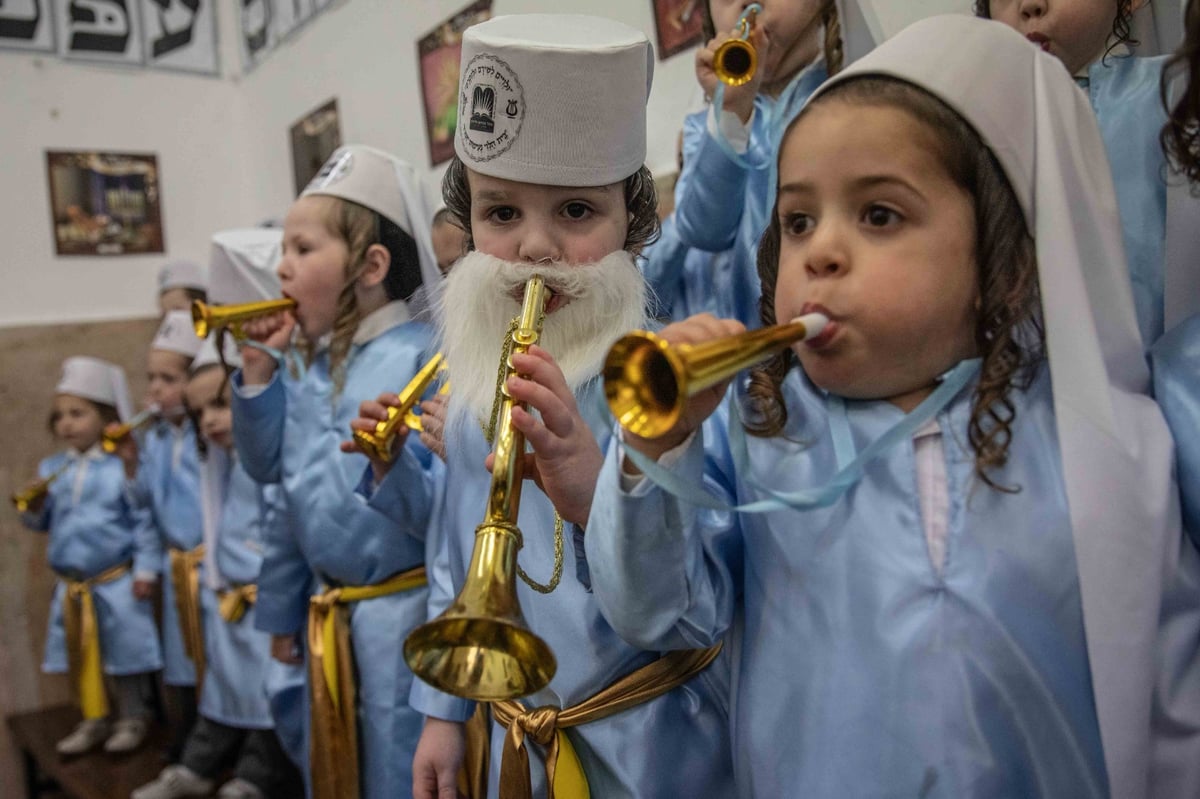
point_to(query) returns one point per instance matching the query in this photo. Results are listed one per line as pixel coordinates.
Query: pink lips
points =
(1040, 39)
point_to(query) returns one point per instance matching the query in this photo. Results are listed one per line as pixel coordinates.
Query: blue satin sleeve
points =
(406, 492)
(285, 580)
(258, 427)
(665, 572)
(662, 266)
(1176, 361)
(708, 196)
(147, 543)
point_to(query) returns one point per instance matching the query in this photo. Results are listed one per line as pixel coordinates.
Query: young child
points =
(954, 586)
(234, 727)
(355, 247)
(179, 284)
(164, 478)
(1092, 39)
(449, 240)
(106, 555)
(546, 185)
(721, 199)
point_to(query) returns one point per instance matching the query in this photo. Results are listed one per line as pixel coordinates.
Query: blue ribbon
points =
(848, 474)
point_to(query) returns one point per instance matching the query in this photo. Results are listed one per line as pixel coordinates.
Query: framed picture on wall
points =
(438, 54)
(104, 203)
(678, 25)
(314, 138)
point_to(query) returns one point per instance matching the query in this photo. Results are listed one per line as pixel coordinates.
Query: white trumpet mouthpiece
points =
(813, 323)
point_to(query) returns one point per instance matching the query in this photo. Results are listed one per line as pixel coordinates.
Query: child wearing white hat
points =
(164, 478)
(179, 284)
(355, 248)
(100, 547)
(549, 180)
(954, 509)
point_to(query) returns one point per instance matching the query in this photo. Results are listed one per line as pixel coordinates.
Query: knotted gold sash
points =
(333, 738)
(234, 602)
(185, 579)
(83, 640)
(546, 726)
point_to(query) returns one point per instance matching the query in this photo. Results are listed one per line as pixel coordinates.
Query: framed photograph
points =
(678, 25)
(27, 25)
(104, 203)
(314, 138)
(438, 55)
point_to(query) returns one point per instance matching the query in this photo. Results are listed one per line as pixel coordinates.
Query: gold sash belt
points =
(333, 738)
(185, 579)
(234, 602)
(546, 726)
(83, 640)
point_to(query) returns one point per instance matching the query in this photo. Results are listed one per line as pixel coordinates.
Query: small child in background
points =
(106, 555)
(234, 728)
(179, 284)
(449, 240)
(164, 478)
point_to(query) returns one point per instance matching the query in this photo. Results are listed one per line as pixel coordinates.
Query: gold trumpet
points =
(647, 382)
(377, 443)
(481, 648)
(736, 59)
(110, 440)
(23, 499)
(207, 318)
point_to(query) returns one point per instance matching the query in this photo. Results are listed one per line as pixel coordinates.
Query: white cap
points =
(176, 334)
(866, 23)
(207, 356)
(556, 99)
(96, 380)
(242, 266)
(386, 185)
(1158, 27)
(182, 275)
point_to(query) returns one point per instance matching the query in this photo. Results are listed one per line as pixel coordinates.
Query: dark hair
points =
(830, 20)
(1181, 135)
(194, 413)
(108, 414)
(641, 201)
(1008, 333)
(1122, 26)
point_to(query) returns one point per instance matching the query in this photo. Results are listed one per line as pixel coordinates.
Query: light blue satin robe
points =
(99, 530)
(862, 670)
(1176, 360)
(168, 484)
(238, 654)
(1124, 93)
(721, 205)
(290, 434)
(686, 281)
(675, 745)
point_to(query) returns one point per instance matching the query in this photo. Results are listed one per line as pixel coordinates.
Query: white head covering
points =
(96, 380)
(242, 265)
(866, 23)
(554, 99)
(1158, 27)
(176, 334)
(1116, 452)
(207, 356)
(386, 185)
(181, 275)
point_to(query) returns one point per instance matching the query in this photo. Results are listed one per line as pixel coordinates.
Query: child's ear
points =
(376, 263)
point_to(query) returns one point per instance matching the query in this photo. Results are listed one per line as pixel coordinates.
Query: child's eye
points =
(797, 224)
(502, 214)
(577, 210)
(881, 216)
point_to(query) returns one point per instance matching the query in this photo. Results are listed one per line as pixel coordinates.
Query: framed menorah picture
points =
(104, 203)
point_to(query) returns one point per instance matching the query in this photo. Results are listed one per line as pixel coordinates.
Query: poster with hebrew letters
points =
(289, 15)
(181, 35)
(99, 30)
(256, 31)
(26, 25)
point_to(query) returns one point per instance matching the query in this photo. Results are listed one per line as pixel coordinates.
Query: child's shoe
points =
(86, 736)
(238, 788)
(128, 735)
(174, 782)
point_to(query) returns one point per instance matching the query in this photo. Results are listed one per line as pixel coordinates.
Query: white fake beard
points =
(479, 301)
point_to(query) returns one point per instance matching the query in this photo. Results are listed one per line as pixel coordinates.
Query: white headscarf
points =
(1116, 451)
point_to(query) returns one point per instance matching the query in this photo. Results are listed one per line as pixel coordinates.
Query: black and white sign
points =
(289, 15)
(99, 30)
(180, 34)
(26, 25)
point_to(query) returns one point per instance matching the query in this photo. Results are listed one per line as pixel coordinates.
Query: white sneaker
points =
(238, 788)
(174, 782)
(87, 735)
(128, 735)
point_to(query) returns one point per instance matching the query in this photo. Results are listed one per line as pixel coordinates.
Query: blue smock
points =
(289, 433)
(674, 745)
(1176, 361)
(686, 281)
(862, 669)
(93, 527)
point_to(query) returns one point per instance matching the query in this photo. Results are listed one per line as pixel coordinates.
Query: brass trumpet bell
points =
(207, 318)
(736, 60)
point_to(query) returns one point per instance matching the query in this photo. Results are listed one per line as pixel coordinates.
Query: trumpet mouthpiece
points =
(813, 323)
